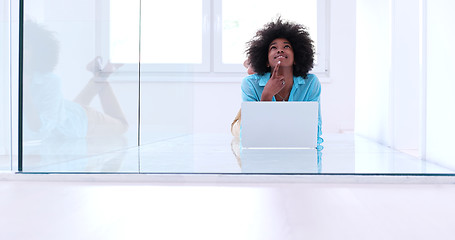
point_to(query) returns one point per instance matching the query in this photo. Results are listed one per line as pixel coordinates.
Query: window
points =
(237, 25)
(204, 35)
(175, 34)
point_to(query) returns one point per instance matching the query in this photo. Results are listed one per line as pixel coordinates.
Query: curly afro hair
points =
(296, 34)
(43, 46)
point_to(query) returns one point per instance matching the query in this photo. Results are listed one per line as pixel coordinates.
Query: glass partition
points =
(80, 107)
(116, 86)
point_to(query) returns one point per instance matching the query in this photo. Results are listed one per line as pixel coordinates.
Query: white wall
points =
(373, 69)
(389, 73)
(338, 96)
(440, 82)
(405, 76)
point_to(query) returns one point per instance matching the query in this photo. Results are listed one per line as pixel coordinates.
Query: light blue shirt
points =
(304, 89)
(58, 116)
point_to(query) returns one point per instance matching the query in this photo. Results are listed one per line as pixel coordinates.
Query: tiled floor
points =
(46, 210)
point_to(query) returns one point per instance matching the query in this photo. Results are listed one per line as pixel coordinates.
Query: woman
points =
(282, 54)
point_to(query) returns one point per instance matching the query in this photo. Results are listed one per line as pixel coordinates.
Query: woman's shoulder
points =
(256, 79)
(312, 79)
(252, 77)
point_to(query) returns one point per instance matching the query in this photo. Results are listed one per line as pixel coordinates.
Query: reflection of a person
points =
(47, 113)
(58, 131)
(282, 54)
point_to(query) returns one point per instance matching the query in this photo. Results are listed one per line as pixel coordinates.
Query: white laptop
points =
(279, 124)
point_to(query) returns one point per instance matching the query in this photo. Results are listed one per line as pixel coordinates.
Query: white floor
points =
(354, 191)
(221, 153)
(53, 207)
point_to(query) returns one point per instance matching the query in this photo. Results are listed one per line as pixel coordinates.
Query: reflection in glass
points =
(277, 160)
(71, 108)
(280, 160)
(161, 43)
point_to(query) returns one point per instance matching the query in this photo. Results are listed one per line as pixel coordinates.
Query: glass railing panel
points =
(80, 101)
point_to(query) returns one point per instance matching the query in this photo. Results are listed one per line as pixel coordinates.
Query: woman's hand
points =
(275, 84)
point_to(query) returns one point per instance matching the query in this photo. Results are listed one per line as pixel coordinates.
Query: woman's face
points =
(281, 50)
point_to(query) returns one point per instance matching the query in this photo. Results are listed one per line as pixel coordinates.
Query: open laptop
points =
(279, 124)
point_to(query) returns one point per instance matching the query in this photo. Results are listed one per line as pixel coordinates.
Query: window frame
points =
(212, 38)
(190, 67)
(321, 67)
